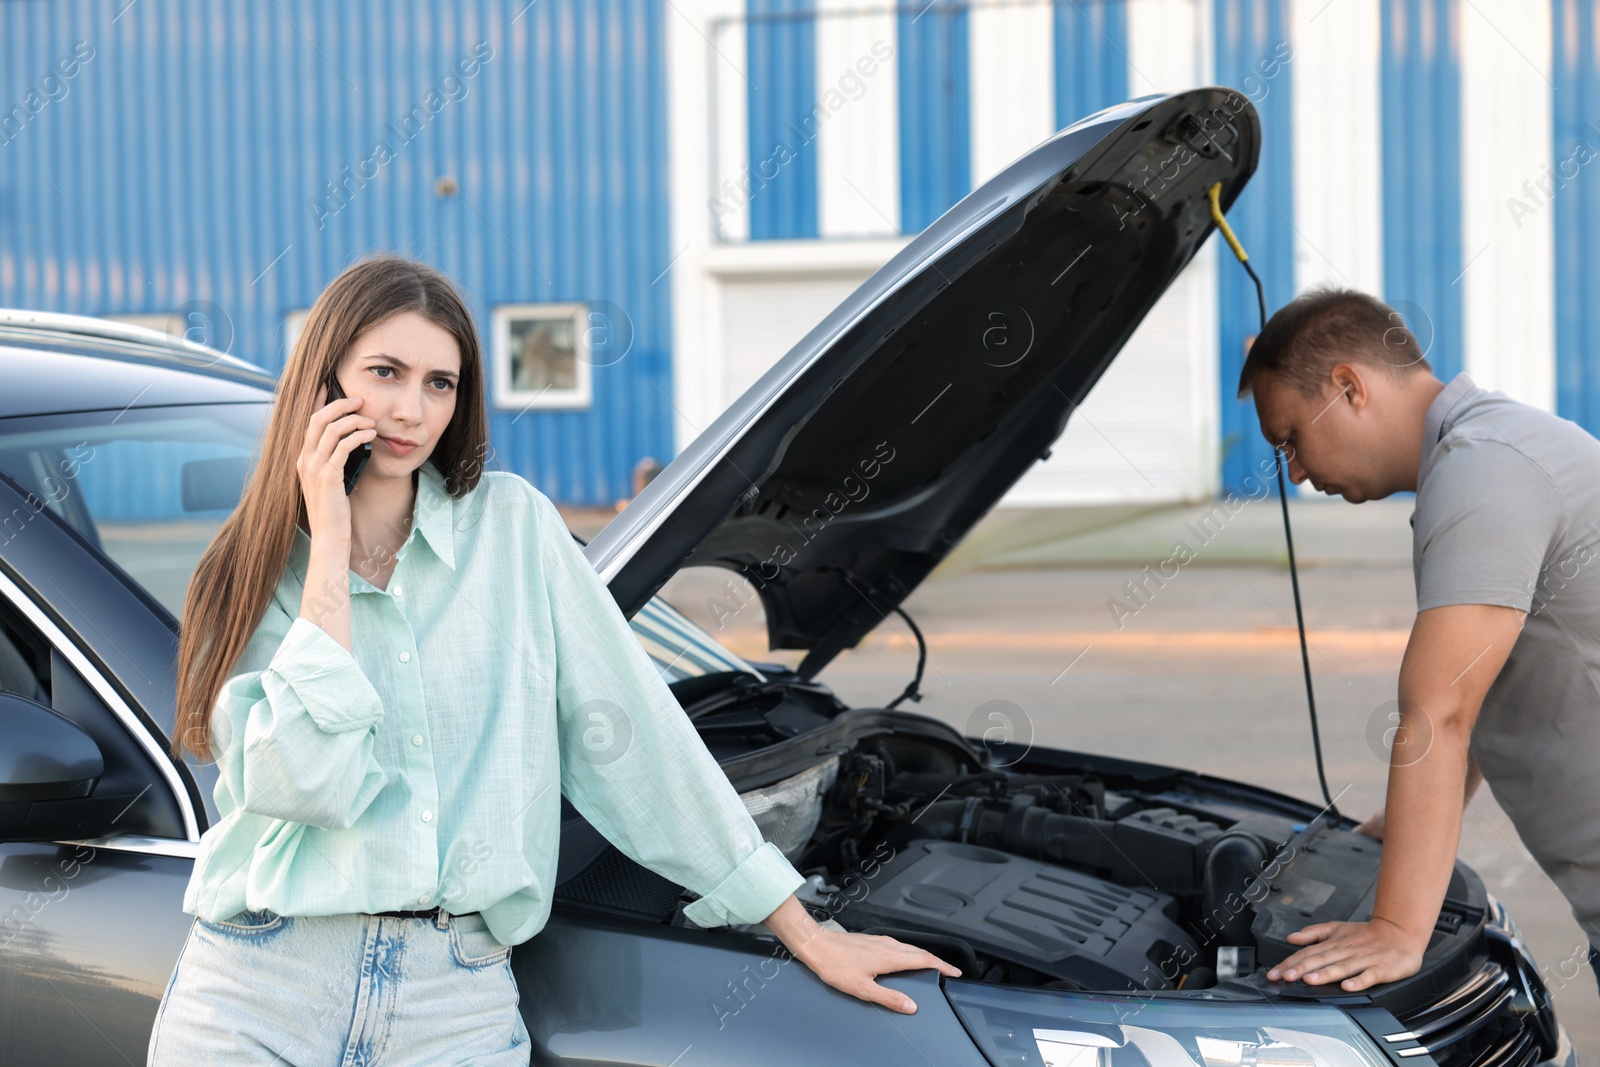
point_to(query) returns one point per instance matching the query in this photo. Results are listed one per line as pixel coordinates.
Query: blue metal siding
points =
(781, 42)
(185, 160)
(1420, 106)
(935, 112)
(1091, 57)
(1247, 33)
(1574, 105)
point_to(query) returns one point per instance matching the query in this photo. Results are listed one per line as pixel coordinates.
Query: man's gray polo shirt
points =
(1508, 513)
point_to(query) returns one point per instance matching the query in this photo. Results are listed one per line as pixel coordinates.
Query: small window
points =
(541, 356)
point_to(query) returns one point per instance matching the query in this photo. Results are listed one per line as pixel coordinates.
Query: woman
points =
(398, 685)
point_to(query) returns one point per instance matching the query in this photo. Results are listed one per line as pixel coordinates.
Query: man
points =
(1502, 669)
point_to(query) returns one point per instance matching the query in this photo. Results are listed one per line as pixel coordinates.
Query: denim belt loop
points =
(441, 919)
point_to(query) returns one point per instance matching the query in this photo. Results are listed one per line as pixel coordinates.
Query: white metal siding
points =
(1509, 279)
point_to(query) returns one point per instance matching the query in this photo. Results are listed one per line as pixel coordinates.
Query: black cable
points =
(911, 691)
(922, 659)
(1294, 580)
(1261, 294)
(1305, 657)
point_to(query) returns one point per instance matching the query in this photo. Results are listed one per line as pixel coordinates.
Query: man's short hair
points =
(1321, 327)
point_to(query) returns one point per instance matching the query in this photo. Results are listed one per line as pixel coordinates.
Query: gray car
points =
(1104, 912)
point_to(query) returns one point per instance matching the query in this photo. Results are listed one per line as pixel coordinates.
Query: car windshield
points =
(150, 487)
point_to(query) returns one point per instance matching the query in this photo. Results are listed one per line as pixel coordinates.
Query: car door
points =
(90, 925)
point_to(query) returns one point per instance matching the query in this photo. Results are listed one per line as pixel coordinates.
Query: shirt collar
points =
(434, 514)
(1458, 390)
(432, 518)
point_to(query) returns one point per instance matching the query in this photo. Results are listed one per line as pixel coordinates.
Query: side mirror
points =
(46, 757)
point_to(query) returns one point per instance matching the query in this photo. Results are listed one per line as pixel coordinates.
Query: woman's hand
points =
(334, 430)
(849, 962)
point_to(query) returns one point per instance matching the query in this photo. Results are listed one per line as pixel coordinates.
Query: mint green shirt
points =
(494, 674)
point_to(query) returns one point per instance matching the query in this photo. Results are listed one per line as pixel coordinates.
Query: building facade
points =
(647, 204)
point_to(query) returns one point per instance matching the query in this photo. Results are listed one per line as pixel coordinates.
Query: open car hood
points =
(859, 460)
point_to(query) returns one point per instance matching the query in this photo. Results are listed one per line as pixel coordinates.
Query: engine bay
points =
(1096, 875)
(1042, 869)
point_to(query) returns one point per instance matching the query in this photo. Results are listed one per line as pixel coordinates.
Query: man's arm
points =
(1373, 827)
(1454, 655)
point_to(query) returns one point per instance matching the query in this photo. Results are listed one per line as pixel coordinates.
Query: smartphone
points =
(359, 455)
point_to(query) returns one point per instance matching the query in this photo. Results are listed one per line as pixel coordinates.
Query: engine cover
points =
(1066, 925)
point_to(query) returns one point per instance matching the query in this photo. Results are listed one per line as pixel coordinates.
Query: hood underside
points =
(863, 456)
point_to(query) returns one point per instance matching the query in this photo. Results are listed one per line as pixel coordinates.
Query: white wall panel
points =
(1165, 42)
(858, 146)
(1141, 436)
(729, 86)
(1337, 166)
(1148, 431)
(699, 74)
(1011, 61)
(762, 318)
(1507, 186)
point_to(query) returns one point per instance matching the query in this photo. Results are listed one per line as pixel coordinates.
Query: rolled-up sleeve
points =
(633, 764)
(294, 739)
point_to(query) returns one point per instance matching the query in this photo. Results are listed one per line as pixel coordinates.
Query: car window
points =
(679, 648)
(24, 659)
(130, 796)
(150, 487)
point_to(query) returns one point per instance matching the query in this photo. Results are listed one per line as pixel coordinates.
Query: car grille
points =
(1499, 1017)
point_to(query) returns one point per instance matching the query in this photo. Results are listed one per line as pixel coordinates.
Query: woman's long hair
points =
(236, 576)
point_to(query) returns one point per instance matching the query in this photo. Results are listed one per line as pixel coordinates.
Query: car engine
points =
(1069, 871)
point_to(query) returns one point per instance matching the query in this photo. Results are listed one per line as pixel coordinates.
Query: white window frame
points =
(294, 323)
(581, 395)
(160, 322)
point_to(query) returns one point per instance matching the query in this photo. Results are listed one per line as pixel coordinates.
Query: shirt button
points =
(416, 739)
(398, 591)
(422, 899)
(427, 816)
(405, 657)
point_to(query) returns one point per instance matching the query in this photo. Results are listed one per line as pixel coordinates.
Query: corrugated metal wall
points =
(935, 112)
(229, 153)
(934, 117)
(1396, 223)
(782, 42)
(1247, 33)
(1576, 103)
(1420, 70)
(1091, 54)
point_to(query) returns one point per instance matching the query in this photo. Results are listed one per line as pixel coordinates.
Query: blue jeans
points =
(263, 988)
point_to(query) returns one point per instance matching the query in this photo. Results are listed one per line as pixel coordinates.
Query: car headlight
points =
(1043, 1028)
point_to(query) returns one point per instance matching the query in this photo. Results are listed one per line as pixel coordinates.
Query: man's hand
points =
(1373, 827)
(1361, 954)
(1454, 655)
